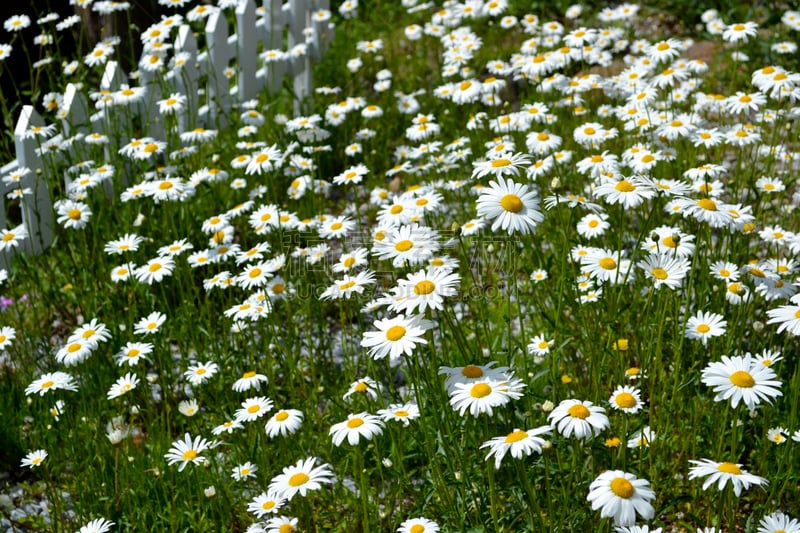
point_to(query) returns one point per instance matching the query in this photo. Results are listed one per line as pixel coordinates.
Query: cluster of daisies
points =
(387, 252)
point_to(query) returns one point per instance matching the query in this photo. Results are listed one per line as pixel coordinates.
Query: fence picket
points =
(37, 208)
(186, 76)
(218, 96)
(246, 47)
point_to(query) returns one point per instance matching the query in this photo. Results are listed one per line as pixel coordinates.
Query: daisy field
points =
(410, 266)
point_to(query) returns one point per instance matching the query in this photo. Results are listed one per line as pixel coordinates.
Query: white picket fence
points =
(282, 26)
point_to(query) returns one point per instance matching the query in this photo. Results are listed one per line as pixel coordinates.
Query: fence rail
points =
(202, 79)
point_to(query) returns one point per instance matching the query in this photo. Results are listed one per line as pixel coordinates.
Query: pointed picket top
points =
(37, 209)
(218, 93)
(25, 138)
(247, 61)
(113, 77)
(76, 111)
(154, 122)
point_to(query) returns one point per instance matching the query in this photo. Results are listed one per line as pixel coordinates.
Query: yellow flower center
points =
(659, 273)
(625, 400)
(624, 186)
(74, 214)
(498, 163)
(589, 131)
(354, 423)
(516, 436)
(395, 333)
(164, 185)
(298, 479)
(730, 468)
(480, 390)
(511, 203)
(268, 505)
(707, 203)
(579, 411)
(743, 379)
(189, 455)
(622, 487)
(48, 384)
(396, 209)
(424, 287)
(472, 372)
(403, 246)
(703, 328)
(254, 409)
(348, 285)
(597, 158)
(608, 263)
(662, 46)
(280, 417)
(669, 242)
(154, 267)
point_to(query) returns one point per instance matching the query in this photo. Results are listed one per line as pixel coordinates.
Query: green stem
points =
(360, 475)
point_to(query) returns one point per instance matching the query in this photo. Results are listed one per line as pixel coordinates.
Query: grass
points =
(598, 326)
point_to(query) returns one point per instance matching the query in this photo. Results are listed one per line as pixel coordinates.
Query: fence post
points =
(76, 111)
(246, 47)
(152, 121)
(37, 209)
(274, 24)
(187, 75)
(323, 31)
(218, 94)
(113, 77)
(301, 66)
